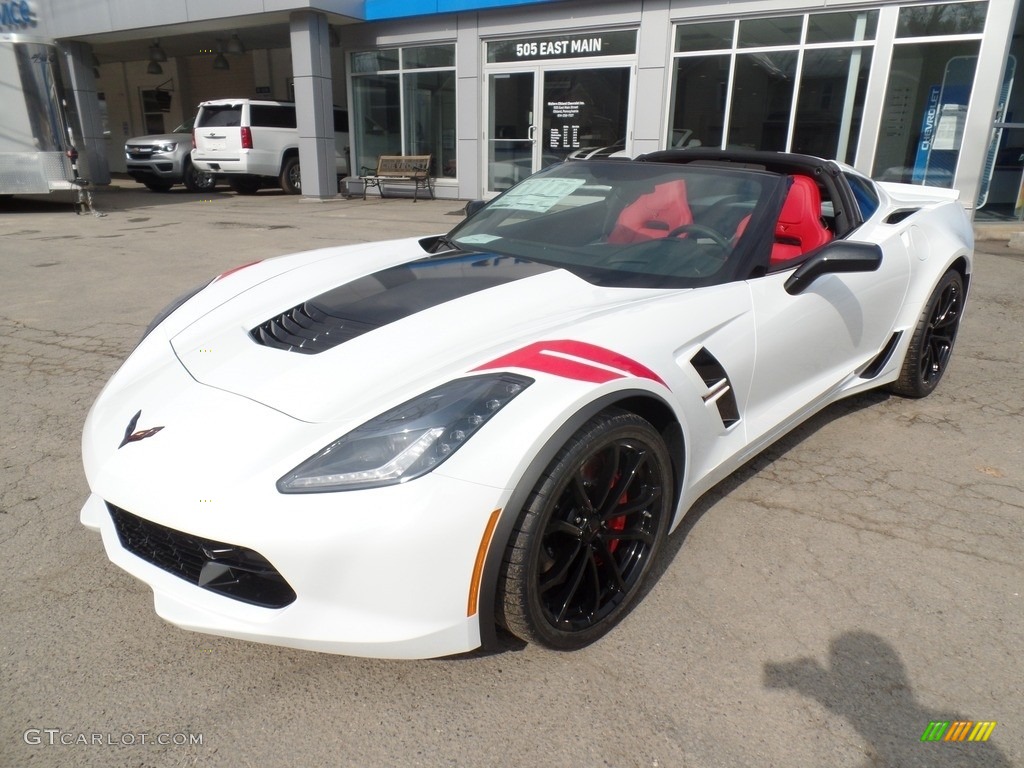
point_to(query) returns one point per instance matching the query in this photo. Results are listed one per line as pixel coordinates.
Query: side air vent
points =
(882, 359)
(901, 215)
(720, 391)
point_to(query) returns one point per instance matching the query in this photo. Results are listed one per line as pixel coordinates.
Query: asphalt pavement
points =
(857, 581)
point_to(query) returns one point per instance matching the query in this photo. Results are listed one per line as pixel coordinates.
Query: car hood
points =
(321, 341)
(160, 138)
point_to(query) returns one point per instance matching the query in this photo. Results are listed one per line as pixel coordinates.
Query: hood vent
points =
(307, 329)
(355, 308)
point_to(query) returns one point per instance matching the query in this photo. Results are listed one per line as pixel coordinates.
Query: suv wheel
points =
(291, 177)
(198, 181)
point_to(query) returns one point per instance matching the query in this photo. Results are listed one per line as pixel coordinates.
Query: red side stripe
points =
(539, 357)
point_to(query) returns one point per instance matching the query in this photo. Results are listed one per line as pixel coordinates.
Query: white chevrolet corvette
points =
(393, 449)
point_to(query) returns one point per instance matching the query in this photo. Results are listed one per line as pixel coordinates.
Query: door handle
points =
(532, 133)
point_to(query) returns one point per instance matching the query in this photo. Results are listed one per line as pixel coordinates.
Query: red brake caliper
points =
(617, 523)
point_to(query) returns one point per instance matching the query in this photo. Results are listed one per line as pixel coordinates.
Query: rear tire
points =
(245, 185)
(291, 176)
(588, 534)
(932, 344)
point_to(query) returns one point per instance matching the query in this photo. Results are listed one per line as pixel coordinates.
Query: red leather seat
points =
(653, 214)
(799, 229)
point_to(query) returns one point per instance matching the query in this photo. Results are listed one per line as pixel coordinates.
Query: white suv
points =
(249, 142)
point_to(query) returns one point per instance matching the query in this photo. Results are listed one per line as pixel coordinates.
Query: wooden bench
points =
(399, 169)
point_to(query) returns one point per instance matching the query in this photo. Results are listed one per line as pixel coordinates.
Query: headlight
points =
(407, 441)
(167, 147)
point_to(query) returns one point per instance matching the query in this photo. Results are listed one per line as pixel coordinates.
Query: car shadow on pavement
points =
(676, 539)
(866, 683)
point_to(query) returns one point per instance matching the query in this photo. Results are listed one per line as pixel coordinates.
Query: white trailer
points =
(37, 155)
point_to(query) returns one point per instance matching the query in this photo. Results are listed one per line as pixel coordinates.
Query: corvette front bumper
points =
(378, 584)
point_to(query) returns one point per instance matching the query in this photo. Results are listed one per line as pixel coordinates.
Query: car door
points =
(809, 344)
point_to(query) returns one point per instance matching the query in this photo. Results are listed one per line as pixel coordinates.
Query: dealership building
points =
(920, 92)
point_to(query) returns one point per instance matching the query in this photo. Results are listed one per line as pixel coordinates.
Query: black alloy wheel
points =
(932, 344)
(588, 534)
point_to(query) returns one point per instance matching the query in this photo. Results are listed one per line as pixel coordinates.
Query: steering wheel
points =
(700, 229)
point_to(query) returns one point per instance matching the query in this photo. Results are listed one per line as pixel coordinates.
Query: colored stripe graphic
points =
(982, 731)
(573, 360)
(958, 730)
(935, 731)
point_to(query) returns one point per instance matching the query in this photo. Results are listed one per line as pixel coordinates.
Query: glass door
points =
(511, 130)
(541, 116)
(585, 112)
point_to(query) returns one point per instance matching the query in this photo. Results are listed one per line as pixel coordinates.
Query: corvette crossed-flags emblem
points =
(131, 436)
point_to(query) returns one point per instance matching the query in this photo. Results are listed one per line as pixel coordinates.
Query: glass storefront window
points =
(830, 102)
(428, 57)
(948, 19)
(844, 27)
(761, 101)
(374, 61)
(926, 101)
(759, 33)
(404, 104)
(704, 37)
(698, 105)
(377, 122)
(1004, 196)
(760, 87)
(430, 118)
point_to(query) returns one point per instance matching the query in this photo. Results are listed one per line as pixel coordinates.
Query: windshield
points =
(185, 127)
(625, 223)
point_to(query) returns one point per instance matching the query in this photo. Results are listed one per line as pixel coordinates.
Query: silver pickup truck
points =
(162, 160)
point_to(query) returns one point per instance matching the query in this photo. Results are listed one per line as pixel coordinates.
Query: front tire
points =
(291, 176)
(588, 534)
(158, 186)
(932, 344)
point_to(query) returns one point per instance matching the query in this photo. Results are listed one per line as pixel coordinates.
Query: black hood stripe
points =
(352, 309)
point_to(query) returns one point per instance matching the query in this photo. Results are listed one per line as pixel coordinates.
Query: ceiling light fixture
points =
(235, 45)
(154, 68)
(156, 53)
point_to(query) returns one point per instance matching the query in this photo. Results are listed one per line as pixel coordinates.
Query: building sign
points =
(16, 14)
(562, 47)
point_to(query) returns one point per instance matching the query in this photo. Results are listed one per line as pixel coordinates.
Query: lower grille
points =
(232, 571)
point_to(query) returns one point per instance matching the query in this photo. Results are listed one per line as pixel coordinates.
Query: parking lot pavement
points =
(855, 582)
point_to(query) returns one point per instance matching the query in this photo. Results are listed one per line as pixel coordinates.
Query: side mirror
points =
(834, 258)
(473, 206)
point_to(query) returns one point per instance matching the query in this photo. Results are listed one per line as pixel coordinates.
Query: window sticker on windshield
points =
(538, 195)
(479, 239)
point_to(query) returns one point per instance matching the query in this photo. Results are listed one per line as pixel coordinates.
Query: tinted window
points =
(220, 116)
(267, 116)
